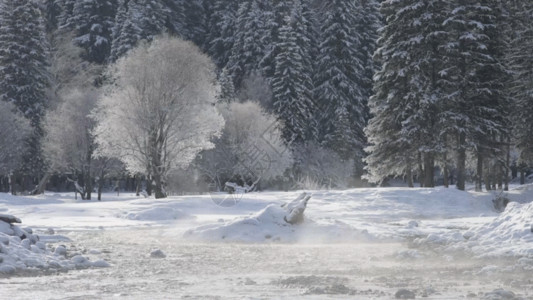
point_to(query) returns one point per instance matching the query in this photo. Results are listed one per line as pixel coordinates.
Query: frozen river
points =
(263, 271)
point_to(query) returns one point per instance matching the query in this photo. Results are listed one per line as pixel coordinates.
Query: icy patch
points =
(157, 214)
(269, 225)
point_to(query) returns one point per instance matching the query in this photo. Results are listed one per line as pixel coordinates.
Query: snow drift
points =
(269, 225)
(510, 234)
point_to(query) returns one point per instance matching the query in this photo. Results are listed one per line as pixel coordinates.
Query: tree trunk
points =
(507, 164)
(149, 185)
(158, 188)
(461, 162)
(39, 189)
(429, 170)
(12, 183)
(479, 171)
(445, 172)
(420, 170)
(138, 185)
(487, 180)
(522, 175)
(410, 177)
(100, 186)
(500, 176)
(88, 186)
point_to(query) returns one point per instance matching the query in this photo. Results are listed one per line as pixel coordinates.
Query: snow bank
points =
(268, 225)
(509, 234)
(157, 214)
(21, 250)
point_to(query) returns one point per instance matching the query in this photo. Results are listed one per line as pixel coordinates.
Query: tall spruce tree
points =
(475, 85)
(93, 22)
(221, 30)
(521, 87)
(392, 152)
(23, 71)
(251, 42)
(292, 82)
(337, 83)
(136, 20)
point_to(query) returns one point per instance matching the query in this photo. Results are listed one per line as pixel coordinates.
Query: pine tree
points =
(196, 16)
(221, 30)
(136, 20)
(405, 129)
(52, 10)
(292, 82)
(337, 84)
(520, 61)
(476, 76)
(93, 21)
(23, 72)
(250, 44)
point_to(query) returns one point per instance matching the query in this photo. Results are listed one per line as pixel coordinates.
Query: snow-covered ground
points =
(395, 234)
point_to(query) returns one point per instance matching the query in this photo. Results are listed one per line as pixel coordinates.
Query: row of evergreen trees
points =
(453, 89)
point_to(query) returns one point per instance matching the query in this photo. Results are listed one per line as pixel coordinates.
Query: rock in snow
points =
(404, 294)
(9, 219)
(157, 254)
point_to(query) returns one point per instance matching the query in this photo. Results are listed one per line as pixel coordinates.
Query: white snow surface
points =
(444, 217)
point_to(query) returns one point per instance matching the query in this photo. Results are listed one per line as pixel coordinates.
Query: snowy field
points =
(355, 244)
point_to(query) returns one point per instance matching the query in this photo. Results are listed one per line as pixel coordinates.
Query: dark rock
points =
(9, 219)
(404, 294)
(157, 254)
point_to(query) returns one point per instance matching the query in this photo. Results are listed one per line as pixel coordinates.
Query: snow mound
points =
(510, 234)
(157, 214)
(21, 250)
(269, 225)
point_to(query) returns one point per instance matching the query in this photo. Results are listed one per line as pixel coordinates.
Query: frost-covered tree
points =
(13, 138)
(251, 148)
(338, 81)
(23, 69)
(135, 21)
(68, 69)
(317, 167)
(69, 143)
(291, 82)
(159, 113)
